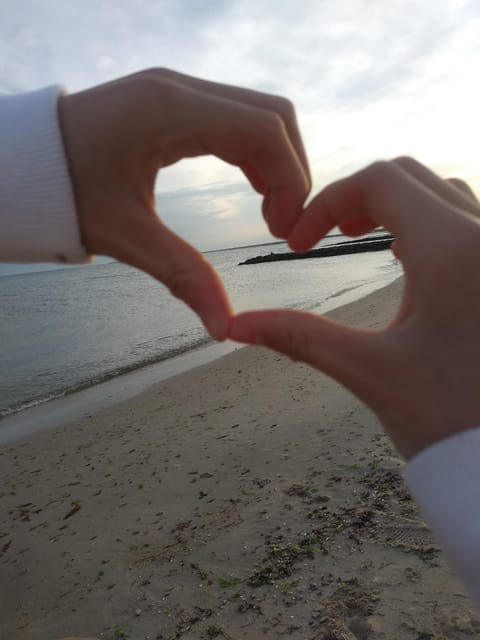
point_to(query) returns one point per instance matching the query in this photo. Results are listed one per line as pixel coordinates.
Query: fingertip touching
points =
(242, 328)
(312, 225)
(283, 207)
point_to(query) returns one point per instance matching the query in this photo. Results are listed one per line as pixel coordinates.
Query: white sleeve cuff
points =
(38, 221)
(445, 481)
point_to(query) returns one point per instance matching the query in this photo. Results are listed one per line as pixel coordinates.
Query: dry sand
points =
(251, 498)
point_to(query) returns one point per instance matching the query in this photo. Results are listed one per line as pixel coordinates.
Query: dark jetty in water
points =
(377, 243)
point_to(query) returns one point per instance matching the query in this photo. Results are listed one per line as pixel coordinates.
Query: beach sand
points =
(249, 498)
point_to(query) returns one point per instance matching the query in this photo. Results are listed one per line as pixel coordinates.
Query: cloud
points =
(214, 215)
(105, 63)
(63, 40)
(369, 79)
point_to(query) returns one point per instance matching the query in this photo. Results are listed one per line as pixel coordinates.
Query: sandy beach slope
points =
(250, 498)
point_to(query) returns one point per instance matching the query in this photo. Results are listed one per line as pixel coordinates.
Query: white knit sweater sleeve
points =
(38, 220)
(445, 481)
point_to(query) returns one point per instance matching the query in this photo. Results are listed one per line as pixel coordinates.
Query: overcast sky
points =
(370, 79)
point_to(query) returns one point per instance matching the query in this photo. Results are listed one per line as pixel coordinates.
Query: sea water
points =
(71, 328)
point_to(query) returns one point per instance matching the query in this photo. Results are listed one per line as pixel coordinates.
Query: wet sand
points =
(248, 498)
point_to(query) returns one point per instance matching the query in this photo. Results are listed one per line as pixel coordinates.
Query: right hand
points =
(118, 135)
(421, 373)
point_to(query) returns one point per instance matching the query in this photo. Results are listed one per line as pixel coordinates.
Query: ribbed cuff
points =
(38, 220)
(445, 482)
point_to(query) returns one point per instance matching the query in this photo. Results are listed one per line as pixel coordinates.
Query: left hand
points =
(118, 135)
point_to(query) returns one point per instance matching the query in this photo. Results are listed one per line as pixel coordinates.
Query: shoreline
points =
(251, 497)
(55, 412)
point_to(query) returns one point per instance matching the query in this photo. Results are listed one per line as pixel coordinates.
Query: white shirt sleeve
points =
(38, 220)
(445, 482)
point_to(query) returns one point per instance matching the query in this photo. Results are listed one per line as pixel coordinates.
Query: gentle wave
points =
(108, 375)
(118, 371)
(67, 330)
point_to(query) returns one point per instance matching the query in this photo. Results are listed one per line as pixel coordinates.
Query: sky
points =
(370, 79)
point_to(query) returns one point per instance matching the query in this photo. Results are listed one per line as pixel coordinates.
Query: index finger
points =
(277, 104)
(246, 135)
(383, 193)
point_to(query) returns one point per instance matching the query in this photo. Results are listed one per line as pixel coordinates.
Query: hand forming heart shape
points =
(420, 373)
(118, 135)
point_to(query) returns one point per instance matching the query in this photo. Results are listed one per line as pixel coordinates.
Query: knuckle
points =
(285, 108)
(458, 182)
(155, 79)
(146, 90)
(406, 162)
(272, 123)
(463, 186)
(157, 72)
(143, 82)
(377, 171)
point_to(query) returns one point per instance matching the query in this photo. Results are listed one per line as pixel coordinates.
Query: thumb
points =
(149, 245)
(351, 356)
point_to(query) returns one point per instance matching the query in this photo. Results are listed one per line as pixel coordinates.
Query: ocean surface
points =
(71, 328)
